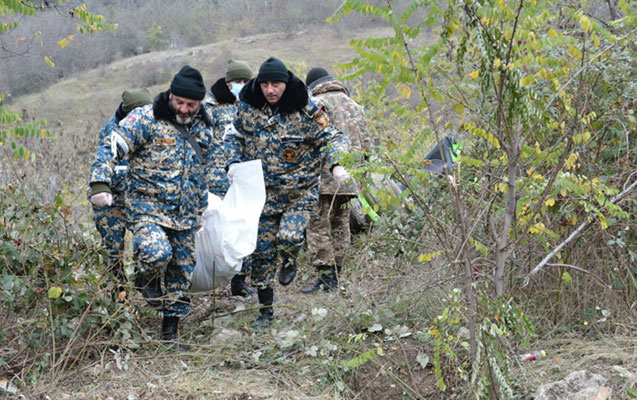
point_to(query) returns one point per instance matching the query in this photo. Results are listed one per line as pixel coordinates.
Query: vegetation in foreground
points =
(445, 292)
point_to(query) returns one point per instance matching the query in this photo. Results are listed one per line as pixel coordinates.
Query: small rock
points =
(579, 385)
(227, 334)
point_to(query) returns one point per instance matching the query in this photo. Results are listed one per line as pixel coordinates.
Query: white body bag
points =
(229, 228)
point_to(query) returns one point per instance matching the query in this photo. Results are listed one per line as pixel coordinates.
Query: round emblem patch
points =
(288, 154)
(321, 121)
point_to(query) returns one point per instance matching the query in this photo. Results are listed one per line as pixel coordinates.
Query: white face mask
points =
(235, 88)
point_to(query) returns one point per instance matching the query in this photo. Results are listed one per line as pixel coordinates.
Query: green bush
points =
(55, 297)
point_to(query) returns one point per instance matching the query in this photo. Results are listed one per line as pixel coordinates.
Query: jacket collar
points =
(222, 93)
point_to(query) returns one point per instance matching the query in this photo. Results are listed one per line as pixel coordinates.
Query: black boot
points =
(239, 287)
(266, 313)
(149, 288)
(169, 329)
(288, 266)
(327, 280)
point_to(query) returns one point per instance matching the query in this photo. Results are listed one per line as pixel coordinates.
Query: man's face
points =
(273, 91)
(184, 108)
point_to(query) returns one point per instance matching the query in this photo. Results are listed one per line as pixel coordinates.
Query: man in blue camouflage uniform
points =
(110, 220)
(221, 105)
(278, 124)
(168, 146)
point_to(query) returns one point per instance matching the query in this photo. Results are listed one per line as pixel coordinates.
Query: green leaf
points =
(54, 292)
(566, 277)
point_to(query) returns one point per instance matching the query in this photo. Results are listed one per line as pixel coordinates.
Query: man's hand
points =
(340, 174)
(102, 199)
(198, 224)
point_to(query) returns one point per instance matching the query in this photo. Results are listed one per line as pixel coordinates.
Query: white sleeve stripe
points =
(118, 144)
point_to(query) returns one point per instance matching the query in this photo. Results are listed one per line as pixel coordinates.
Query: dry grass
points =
(614, 357)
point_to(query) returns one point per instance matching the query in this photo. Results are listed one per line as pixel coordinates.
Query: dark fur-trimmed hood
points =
(162, 111)
(222, 93)
(295, 96)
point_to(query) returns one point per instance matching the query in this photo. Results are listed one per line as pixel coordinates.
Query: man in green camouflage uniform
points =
(328, 233)
(221, 105)
(168, 146)
(278, 124)
(110, 220)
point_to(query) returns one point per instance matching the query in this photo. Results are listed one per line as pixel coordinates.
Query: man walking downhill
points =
(168, 145)
(221, 106)
(110, 220)
(328, 232)
(278, 124)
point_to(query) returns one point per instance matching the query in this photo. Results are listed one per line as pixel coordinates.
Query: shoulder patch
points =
(129, 120)
(321, 120)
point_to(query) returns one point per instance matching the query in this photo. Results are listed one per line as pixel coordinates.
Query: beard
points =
(182, 119)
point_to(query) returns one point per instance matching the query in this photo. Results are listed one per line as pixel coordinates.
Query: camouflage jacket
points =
(220, 104)
(289, 141)
(118, 179)
(166, 178)
(347, 116)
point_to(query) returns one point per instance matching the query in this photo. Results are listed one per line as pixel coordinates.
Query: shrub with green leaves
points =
(56, 298)
(533, 91)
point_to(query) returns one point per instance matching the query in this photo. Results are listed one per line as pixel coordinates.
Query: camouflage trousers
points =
(328, 234)
(169, 253)
(277, 233)
(110, 222)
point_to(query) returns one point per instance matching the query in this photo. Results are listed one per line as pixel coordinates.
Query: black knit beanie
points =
(314, 74)
(273, 70)
(188, 83)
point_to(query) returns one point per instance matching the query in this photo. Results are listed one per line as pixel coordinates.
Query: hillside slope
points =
(92, 97)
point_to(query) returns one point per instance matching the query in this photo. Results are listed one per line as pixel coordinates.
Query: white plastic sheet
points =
(229, 228)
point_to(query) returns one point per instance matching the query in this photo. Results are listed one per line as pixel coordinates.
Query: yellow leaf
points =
(586, 23)
(497, 62)
(48, 60)
(54, 292)
(536, 228)
(63, 43)
(458, 108)
(475, 73)
(428, 257)
(549, 202)
(379, 69)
